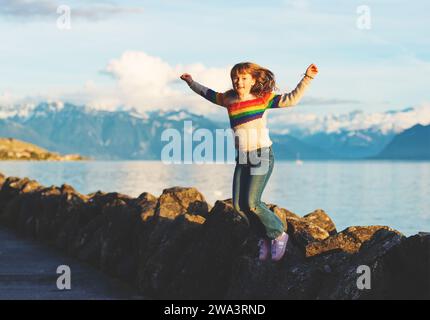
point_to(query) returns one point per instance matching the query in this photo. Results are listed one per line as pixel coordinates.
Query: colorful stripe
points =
(274, 101)
(242, 112)
(244, 119)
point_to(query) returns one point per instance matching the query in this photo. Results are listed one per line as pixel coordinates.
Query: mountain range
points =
(129, 134)
(413, 143)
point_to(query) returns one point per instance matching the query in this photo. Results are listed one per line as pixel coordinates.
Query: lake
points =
(393, 193)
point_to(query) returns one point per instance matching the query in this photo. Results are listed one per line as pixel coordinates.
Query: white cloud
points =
(140, 81)
(97, 96)
(147, 82)
(6, 98)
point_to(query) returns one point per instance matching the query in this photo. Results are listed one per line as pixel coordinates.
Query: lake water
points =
(393, 193)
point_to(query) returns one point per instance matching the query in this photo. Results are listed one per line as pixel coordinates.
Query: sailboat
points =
(298, 161)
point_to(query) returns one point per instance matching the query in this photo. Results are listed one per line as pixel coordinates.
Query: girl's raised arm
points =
(292, 98)
(209, 94)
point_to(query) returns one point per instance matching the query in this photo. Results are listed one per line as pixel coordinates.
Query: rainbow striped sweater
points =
(250, 115)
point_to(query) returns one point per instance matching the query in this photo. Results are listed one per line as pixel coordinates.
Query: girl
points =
(246, 103)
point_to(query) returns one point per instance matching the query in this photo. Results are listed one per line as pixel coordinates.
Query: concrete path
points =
(28, 270)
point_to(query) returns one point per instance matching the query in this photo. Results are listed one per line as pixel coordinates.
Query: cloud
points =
(140, 81)
(148, 82)
(6, 98)
(48, 8)
(97, 96)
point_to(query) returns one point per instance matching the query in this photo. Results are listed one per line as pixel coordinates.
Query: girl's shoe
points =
(278, 246)
(264, 245)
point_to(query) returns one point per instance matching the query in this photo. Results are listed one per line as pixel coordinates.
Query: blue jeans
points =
(252, 171)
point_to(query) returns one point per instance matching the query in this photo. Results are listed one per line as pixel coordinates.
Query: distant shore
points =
(14, 149)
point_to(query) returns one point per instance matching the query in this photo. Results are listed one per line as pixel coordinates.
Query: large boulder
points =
(343, 281)
(179, 200)
(204, 269)
(169, 231)
(349, 240)
(320, 218)
(10, 198)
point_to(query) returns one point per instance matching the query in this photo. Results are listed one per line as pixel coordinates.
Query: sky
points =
(372, 55)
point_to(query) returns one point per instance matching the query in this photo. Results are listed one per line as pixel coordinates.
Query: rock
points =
(307, 229)
(363, 234)
(349, 240)
(119, 241)
(10, 203)
(85, 228)
(178, 200)
(262, 281)
(322, 220)
(204, 268)
(14, 186)
(339, 241)
(304, 232)
(176, 246)
(2, 179)
(169, 228)
(282, 213)
(165, 253)
(408, 266)
(343, 284)
(146, 203)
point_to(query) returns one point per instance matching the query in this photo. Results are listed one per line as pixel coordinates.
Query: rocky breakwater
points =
(178, 246)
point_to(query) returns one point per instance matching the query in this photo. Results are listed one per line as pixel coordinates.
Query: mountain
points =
(413, 143)
(129, 134)
(99, 134)
(124, 134)
(288, 147)
(352, 144)
(351, 135)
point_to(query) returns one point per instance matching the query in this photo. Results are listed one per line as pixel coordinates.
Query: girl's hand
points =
(187, 78)
(312, 70)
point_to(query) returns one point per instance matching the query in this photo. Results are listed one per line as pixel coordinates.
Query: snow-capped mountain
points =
(355, 134)
(388, 122)
(122, 134)
(129, 134)
(10, 111)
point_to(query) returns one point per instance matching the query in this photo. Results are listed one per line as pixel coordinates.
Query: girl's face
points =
(243, 83)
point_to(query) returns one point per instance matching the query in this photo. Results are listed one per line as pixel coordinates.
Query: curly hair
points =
(264, 78)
